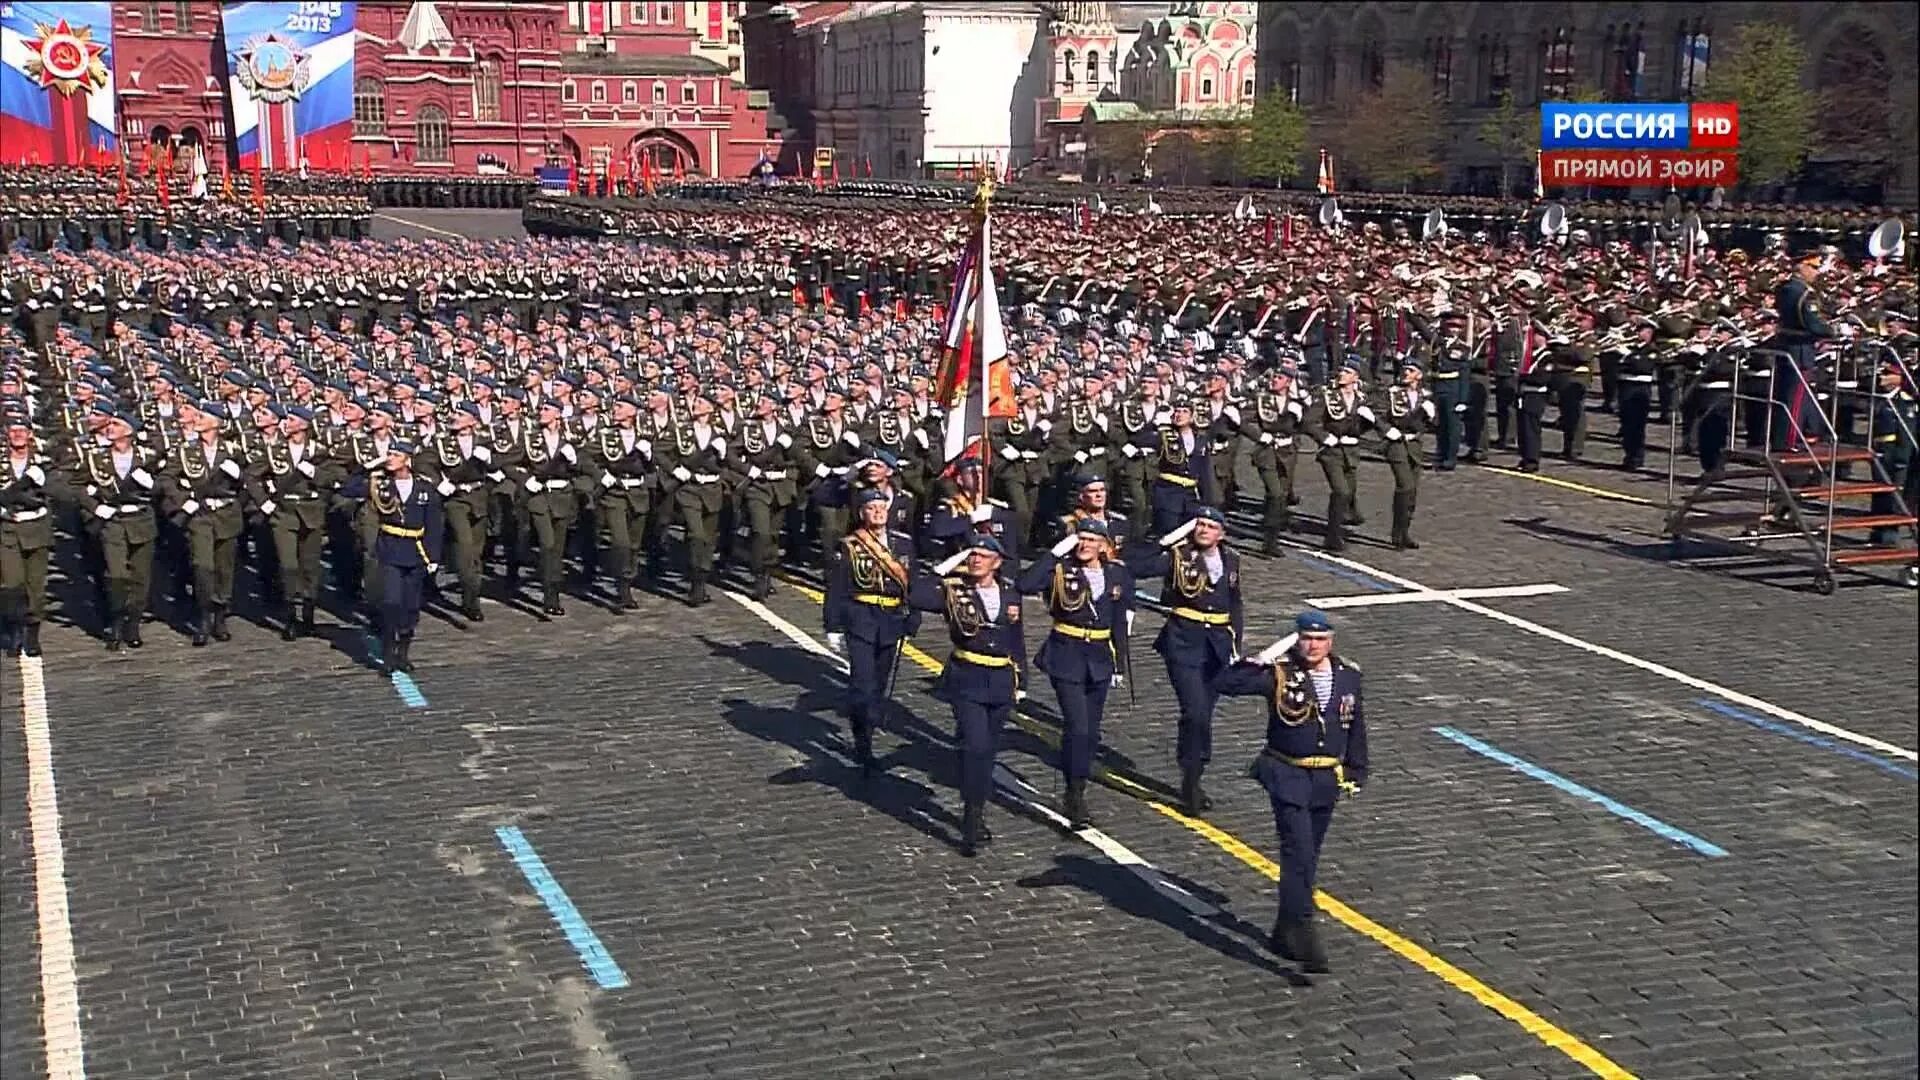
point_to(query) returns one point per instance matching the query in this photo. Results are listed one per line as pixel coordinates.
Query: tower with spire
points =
(1083, 47)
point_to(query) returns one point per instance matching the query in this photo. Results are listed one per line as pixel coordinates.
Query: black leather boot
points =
(550, 603)
(389, 652)
(1281, 940)
(30, 640)
(1312, 955)
(1077, 804)
(697, 589)
(403, 653)
(219, 629)
(290, 625)
(863, 749)
(202, 622)
(306, 618)
(626, 600)
(972, 825)
(130, 630)
(1192, 798)
(762, 585)
(1336, 526)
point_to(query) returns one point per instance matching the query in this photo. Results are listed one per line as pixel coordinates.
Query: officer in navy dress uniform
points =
(866, 614)
(1316, 751)
(1089, 595)
(412, 527)
(1202, 633)
(1182, 467)
(982, 678)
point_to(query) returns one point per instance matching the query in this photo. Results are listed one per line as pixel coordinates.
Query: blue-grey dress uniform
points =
(866, 605)
(1800, 328)
(958, 519)
(1316, 749)
(982, 676)
(1182, 475)
(411, 531)
(1091, 605)
(1202, 635)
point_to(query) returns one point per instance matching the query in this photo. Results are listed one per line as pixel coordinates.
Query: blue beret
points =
(1211, 513)
(1087, 480)
(207, 405)
(400, 446)
(1312, 622)
(387, 407)
(1354, 363)
(301, 412)
(471, 409)
(967, 464)
(868, 495)
(514, 393)
(887, 458)
(1091, 526)
(237, 378)
(987, 544)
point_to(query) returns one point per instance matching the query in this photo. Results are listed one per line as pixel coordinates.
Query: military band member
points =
(1533, 379)
(1090, 597)
(117, 487)
(1894, 429)
(412, 526)
(1409, 412)
(1273, 426)
(982, 677)
(1335, 421)
(289, 481)
(1639, 369)
(866, 616)
(464, 471)
(700, 462)
(202, 486)
(1452, 360)
(548, 463)
(27, 485)
(1573, 370)
(1316, 751)
(1202, 633)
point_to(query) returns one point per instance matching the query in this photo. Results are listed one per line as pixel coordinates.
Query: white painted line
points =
(1736, 697)
(59, 983)
(1432, 597)
(1009, 781)
(421, 226)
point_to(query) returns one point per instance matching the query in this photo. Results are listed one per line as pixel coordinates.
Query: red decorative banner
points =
(1638, 168)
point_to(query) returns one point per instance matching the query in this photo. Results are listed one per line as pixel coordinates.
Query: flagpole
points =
(983, 210)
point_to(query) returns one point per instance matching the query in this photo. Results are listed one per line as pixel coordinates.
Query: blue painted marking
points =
(1791, 732)
(1363, 580)
(1613, 806)
(403, 683)
(585, 942)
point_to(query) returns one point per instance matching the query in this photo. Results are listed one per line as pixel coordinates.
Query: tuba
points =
(1434, 227)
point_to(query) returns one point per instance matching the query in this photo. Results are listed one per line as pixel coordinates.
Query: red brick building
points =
(164, 73)
(660, 81)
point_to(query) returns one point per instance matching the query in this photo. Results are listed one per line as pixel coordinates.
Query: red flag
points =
(165, 201)
(226, 181)
(836, 168)
(679, 168)
(799, 298)
(866, 308)
(1269, 230)
(146, 163)
(125, 194)
(259, 187)
(869, 164)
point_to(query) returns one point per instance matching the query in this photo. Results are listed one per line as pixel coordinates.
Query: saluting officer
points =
(1316, 750)
(116, 483)
(982, 612)
(26, 535)
(866, 614)
(1201, 636)
(1090, 597)
(411, 525)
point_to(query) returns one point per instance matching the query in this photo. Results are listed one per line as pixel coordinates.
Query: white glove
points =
(1130, 450)
(445, 488)
(190, 507)
(1119, 680)
(1045, 425)
(822, 471)
(481, 453)
(1462, 407)
(1365, 413)
(645, 446)
(306, 469)
(1272, 653)
(1019, 696)
(1010, 453)
(1266, 438)
(852, 438)
(981, 513)
(1080, 456)
(1330, 440)
(142, 477)
(496, 476)
(1130, 616)
(533, 484)
(1066, 544)
(39, 476)
(607, 479)
(1394, 434)
(785, 440)
(231, 468)
(681, 474)
(104, 512)
(837, 642)
(433, 568)
(753, 472)
(267, 508)
(566, 451)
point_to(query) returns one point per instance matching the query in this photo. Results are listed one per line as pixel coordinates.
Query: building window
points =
(486, 90)
(568, 94)
(1206, 88)
(688, 94)
(182, 15)
(369, 107)
(663, 14)
(1246, 88)
(430, 138)
(1690, 67)
(659, 93)
(637, 14)
(1066, 70)
(629, 93)
(1626, 62)
(1440, 65)
(1328, 74)
(1556, 65)
(1093, 69)
(1373, 65)
(1496, 68)
(150, 15)
(733, 35)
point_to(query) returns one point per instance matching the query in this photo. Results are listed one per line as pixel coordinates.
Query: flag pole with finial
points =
(982, 210)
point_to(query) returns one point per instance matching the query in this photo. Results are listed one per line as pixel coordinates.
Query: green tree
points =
(1762, 71)
(1117, 149)
(1276, 133)
(1512, 134)
(1393, 134)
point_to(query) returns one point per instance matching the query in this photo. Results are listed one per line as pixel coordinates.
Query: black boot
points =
(697, 590)
(306, 618)
(114, 623)
(389, 652)
(30, 640)
(1281, 940)
(470, 605)
(973, 829)
(626, 600)
(1192, 798)
(1336, 526)
(1312, 955)
(219, 630)
(290, 626)
(403, 653)
(762, 585)
(863, 750)
(550, 604)
(1403, 523)
(1077, 803)
(203, 621)
(130, 630)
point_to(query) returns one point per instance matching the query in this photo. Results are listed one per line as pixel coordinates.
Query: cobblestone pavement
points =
(278, 868)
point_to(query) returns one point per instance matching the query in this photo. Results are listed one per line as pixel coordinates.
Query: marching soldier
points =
(26, 535)
(1221, 420)
(1409, 413)
(117, 489)
(548, 462)
(465, 470)
(1339, 415)
(1091, 504)
(982, 678)
(286, 481)
(866, 616)
(1179, 456)
(624, 456)
(1639, 368)
(1277, 413)
(203, 484)
(1316, 751)
(767, 466)
(1090, 597)
(1132, 439)
(967, 514)
(833, 445)
(1023, 443)
(1202, 635)
(411, 527)
(700, 463)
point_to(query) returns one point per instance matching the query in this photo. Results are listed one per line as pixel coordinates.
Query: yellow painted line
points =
(1533, 1023)
(1572, 485)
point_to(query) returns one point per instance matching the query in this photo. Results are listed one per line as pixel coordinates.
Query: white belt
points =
(1029, 455)
(1530, 389)
(216, 504)
(132, 507)
(475, 486)
(706, 478)
(27, 515)
(1848, 385)
(1716, 386)
(556, 485)
(295, 498)
(1636, 378)
(1097, 451)
(1349, 440)
(773, 474)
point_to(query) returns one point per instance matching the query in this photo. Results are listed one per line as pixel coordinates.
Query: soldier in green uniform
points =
(463, 468)
(546, 473)
(1272, 427)
(623, 456)
(117, 487)
(1405, 415)
(202, 485)
(700, 463)
(27, 485)
(289, 480)
(768, 467)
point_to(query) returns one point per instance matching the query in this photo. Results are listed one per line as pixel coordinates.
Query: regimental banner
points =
(291, 80)
(56, 82)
